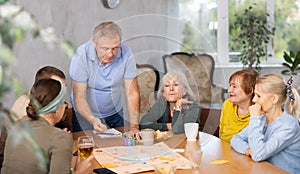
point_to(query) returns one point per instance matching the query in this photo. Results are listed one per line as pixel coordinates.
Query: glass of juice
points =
(85, 146)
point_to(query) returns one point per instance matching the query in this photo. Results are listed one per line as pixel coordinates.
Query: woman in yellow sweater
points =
(235, 110)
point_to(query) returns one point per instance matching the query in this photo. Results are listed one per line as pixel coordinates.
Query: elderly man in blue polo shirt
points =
(98, 70)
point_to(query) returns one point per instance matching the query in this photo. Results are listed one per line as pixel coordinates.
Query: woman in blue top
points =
(273, 133)
(175, 105)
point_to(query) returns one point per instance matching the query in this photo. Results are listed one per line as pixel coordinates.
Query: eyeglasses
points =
(66, 105)
(108, 50)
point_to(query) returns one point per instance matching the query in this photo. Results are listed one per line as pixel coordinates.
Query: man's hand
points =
(136, 131)
(134, 128)
(98, 125)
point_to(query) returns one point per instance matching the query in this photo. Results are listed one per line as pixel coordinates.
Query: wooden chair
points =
(210, 120)
(148, 82)
(199, 69)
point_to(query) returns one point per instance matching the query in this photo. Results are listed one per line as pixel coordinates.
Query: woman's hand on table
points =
(248, 152)
(169, 126)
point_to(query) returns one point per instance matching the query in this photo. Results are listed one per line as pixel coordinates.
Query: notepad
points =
(109, 133)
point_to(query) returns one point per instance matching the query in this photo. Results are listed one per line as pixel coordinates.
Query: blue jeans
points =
(80, 124)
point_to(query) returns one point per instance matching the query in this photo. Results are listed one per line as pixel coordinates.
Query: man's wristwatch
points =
(177, 108)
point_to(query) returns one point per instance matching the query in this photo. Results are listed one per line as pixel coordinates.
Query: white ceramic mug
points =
(147, 136)
(191, 131)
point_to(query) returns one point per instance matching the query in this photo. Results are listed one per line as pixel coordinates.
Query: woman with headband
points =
(273, 133)
(46, 108)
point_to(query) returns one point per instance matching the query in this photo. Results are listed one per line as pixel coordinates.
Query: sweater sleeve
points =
(155, 118)
(264, 145)
(191, 115)
(239, 142)
(61, 153)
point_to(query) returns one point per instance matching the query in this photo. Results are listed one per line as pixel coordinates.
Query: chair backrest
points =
(148, 82)
(210, 120)
(198, 68)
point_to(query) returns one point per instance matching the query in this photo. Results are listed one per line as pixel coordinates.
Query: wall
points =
(150, 29)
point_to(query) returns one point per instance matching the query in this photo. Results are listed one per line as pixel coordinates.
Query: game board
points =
(133, 159)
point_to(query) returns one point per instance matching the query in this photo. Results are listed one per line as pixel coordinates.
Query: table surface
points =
(213, 149)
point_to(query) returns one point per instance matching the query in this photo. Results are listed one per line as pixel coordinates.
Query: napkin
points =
(216, 162)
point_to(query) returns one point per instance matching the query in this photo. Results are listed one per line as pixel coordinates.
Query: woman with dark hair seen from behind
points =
(175, 105)
(235, 110)
(273, 133)
(45, 109)
(18, 109)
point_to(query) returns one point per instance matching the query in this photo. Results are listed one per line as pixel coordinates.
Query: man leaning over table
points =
(98, 70)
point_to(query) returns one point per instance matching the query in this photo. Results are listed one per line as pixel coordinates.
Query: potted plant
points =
(254, 36)
(15, 23)
(292, 61)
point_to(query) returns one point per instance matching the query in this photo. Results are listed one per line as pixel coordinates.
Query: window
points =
(210, 29)
(200, 29)
(287, 23)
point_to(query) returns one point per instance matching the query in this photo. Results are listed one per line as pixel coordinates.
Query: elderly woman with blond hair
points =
(175, 105)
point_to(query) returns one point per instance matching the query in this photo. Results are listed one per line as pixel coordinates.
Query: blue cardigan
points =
(277, 142)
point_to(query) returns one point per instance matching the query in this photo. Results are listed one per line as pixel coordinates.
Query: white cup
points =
(191, 131)
(147, 137)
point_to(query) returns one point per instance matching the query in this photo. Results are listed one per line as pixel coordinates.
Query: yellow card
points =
(219, 162)
(167, 158)
(108, 165)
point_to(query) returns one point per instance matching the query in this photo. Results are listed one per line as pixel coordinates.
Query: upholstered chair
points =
(148, 82)
(199, 69)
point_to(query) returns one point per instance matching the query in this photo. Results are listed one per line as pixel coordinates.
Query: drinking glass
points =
(85, 146)
(195, 157)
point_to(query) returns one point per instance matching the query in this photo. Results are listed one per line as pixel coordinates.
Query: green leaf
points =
(19, 34)
(292, 54)
(286, 65)
(3, 1)
(287, 58)
(285, 71)
(67, 48)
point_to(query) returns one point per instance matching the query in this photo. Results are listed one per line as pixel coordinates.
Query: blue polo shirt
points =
(104, 83)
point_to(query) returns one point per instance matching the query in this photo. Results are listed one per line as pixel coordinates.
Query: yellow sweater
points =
(230, 122)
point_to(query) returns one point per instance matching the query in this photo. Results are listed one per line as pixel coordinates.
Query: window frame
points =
(222, 58)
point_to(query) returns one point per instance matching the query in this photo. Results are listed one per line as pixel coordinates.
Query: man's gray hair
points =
(107, 29)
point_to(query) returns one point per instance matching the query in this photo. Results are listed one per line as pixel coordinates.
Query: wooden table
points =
(213, 149)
